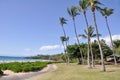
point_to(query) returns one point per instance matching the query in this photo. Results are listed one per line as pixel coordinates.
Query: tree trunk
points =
(113, 48)
(88, 52)
(65, 53)
(78, 41)
(79, 60)
(67, 57)
(101, 52)
(92, 56)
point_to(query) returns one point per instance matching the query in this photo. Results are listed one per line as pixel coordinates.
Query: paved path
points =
(28, 75)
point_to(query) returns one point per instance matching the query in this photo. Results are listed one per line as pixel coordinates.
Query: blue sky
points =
(31, 27)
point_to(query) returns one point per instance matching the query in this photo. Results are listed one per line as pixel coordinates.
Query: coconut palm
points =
(106, 13)
(90, 33)
(83, 5)
(94, 5)
(62, 22)
(73, 13)
(64, 38)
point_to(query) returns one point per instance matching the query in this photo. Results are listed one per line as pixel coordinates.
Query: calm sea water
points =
(12, 59)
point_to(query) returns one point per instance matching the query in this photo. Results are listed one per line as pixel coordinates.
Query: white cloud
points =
(27, 50)
(107, 38)
(49, 47)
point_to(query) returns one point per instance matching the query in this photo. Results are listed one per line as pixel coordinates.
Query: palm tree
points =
(90, 33)
(107, 12)
(83, 5)
(94, 6)
(65, 38)
(62, 22)
(73, 13)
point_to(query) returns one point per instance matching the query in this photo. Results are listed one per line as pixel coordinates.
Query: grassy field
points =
(78, 72)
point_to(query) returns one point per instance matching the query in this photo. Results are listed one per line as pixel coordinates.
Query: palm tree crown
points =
(62, 21)
(94, 5)
(90, 33)
(106, 12)
(72, 12)
(83, 5)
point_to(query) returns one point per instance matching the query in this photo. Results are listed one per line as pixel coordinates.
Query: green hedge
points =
(23, 66)
(1, 73)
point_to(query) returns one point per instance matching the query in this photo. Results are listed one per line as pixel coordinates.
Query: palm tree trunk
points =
(78, 41)
(101, 52)
(113, 49)
(67, 57)
(65, 53)
(92, 56)
(88, 52)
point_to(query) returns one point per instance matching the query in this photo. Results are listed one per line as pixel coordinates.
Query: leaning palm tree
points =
(73, 13)
(62, 22)
(90, 33)
(83, 5)
(94, 6)
(107, 12)
(65, 38)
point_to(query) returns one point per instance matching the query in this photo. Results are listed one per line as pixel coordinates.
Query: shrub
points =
(1, 73)
(23, 66)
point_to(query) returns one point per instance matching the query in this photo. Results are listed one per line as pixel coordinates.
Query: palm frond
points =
(106, 12)
(69, 11)
(84, 4)
(98, 8)
(82, 35)
(63, 20)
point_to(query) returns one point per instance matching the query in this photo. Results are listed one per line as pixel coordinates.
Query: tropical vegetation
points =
(93, 49)
(23, 66)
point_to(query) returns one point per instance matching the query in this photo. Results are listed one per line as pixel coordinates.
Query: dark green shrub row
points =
(1, 73)
(23, 66)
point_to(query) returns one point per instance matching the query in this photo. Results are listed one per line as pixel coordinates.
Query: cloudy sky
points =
(31, 27)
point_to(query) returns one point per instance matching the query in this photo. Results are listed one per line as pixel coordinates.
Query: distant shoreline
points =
(7, 59)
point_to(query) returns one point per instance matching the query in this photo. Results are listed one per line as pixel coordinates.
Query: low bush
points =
(23, 66)
(1, 73)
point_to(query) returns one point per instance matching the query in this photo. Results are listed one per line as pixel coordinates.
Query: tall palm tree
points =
(64, 38)
(90, 33)
(73, 13)
(106, 13)
(94, 6)
(83, 5)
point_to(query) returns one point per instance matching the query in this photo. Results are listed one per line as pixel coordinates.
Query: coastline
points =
(8, 61)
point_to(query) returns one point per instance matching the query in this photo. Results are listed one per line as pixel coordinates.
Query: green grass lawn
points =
(79, 72)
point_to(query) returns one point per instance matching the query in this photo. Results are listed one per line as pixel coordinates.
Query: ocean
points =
(16, 59)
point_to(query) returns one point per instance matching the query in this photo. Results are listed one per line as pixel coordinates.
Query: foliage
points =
(1, 73)
(73, 50)
(23, 66)
(106, 12)
(117, 46)
(116, 43)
